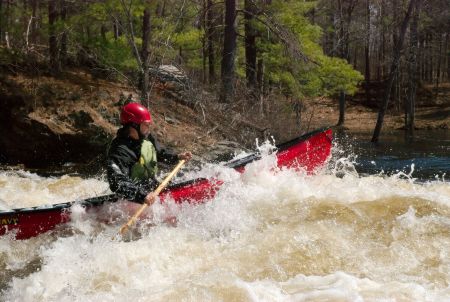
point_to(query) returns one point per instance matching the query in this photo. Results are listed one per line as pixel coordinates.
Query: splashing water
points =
(268, 235)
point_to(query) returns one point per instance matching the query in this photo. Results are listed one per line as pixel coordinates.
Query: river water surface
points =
(374, 225)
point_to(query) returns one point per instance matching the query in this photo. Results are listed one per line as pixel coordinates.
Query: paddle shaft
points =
(158, 190)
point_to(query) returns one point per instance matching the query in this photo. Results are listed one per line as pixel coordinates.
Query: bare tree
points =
(124, 23)
(412, 70)
(210, 41)
(63, 47)
(367, 51)
(1, 21)
(250, 43)
(145, 55)
(52, 39)
(393, 70)
(34, 21)
(345, 21)
(229, 53)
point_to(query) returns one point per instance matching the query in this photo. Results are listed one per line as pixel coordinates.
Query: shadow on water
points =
(427, 152)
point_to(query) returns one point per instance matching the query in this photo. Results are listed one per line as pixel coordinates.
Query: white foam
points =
(268, 235)
(22, 189)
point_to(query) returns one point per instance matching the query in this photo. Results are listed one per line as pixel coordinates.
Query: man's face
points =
(145, 128)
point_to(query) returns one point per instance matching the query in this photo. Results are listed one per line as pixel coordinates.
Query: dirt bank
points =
(47, 121)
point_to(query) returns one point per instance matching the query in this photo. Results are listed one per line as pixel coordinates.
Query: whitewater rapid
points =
(268, 235)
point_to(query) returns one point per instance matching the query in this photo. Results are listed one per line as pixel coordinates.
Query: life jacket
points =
(147, 167)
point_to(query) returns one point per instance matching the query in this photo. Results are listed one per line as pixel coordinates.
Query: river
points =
(372, 226)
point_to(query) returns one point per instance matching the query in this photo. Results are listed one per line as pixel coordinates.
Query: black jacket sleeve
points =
(118, 163)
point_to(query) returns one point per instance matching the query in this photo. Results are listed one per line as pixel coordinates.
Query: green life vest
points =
(146, 167)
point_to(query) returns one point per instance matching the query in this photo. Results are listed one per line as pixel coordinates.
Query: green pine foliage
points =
(318, 75)
(178, 37)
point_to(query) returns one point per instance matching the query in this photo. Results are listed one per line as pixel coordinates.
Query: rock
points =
(170, 74)
(223, 151)
(173, 83)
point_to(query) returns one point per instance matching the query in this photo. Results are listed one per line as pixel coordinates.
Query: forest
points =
(377, 52)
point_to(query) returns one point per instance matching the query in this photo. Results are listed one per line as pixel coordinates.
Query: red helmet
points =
(134, 113)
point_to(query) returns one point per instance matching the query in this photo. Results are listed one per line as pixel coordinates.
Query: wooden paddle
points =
(158, 190)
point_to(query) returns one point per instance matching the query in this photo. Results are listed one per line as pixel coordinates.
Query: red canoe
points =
(308, 151)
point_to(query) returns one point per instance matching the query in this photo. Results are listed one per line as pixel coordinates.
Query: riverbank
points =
(49, 121)
(360, 118)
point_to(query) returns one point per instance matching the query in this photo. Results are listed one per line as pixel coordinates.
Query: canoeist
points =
(134, 154)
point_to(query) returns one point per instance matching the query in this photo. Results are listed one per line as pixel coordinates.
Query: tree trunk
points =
(260, 81)
(63, 48)
(25, 21)
(425, 58)
(395, 17)
(260, 75)
(161, 8)
(420, 58)
(383, 40)
(116, 28)
(439, 62)
(367, 51)
(328, 35)
(346, 49)
(7, 23)
(1, 21)
(228, 55)
(447, 51)
(412, 71)
(398, 80)
(344, 55)
(341, 109)
(34, 25)
(379, 64)
(145, 56)
(203, 39)
(394, 66)
(210, 41)
(430, 58)
(341, 30)
(250, 44)
(204, 59)
(103, 31)
(52, 40)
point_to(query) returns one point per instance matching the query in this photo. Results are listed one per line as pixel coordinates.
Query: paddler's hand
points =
(150, 198)
(185, 155)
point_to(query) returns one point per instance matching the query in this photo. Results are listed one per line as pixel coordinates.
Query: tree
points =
(250, 43)
(52, 40)
(1, 21)
(393, 70)
(344, 34)
(145, 55)
(34, 24)
(367, 51)
(63, 47)
(228, 54)
(210, 40)
(412, 70)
